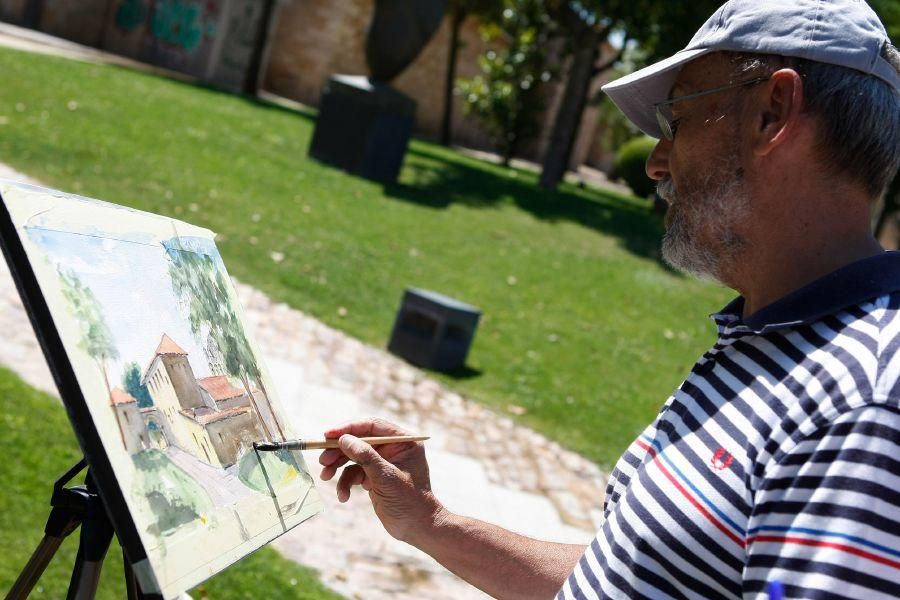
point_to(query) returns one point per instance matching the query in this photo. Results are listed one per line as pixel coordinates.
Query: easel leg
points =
(74, 506)
(35, 568)
(96, 535)
(68, 508)
(131, 586)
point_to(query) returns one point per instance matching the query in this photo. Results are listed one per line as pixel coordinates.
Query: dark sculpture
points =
(364, 124)
(398, 32)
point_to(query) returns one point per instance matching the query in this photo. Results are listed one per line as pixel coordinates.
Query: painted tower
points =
(134, 433)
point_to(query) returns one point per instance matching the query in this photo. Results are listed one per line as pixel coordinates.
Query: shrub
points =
(630, 165)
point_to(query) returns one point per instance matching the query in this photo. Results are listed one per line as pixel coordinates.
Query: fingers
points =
(352, 475)
(334, 459)
(369, 465)
(360, 452)
(366, 427)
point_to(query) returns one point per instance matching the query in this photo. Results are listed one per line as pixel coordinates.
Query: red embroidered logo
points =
(721, 459)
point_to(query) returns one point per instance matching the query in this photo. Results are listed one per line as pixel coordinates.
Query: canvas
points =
(171, 392)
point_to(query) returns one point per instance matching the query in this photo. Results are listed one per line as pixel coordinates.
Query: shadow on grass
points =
(463, 373)
(437, 178)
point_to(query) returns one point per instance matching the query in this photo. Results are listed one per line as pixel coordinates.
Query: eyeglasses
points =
(668, 126)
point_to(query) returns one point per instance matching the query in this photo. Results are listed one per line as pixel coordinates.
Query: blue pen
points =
(776, 590)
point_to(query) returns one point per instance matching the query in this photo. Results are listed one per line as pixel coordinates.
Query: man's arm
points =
(495, 560)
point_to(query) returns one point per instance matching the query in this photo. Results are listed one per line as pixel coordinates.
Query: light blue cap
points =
(847, 33)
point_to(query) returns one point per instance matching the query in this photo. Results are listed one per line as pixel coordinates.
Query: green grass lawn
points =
(582, 326)
(32, 463)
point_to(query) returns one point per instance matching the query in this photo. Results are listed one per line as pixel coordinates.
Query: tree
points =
(131, 382)
(507, 96)
(202, 287)
(460, 10)
(661, 27)
(96, 338)
(889, 13)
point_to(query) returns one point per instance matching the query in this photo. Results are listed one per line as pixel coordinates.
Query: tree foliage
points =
(660, 27)
(507, 95)
(131, 383)
(203, 289)
(96, 338)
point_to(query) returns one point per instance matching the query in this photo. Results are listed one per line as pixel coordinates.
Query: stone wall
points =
(313, 39)
(310, 40)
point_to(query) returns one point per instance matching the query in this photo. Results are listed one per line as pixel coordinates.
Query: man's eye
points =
(674, 125)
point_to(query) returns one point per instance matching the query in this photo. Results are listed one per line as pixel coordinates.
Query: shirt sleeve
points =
(826, 517)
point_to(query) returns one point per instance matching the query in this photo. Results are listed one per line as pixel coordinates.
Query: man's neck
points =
(831, 232)
(794, 272)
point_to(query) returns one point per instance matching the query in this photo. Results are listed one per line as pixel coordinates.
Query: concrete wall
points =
(209, 39)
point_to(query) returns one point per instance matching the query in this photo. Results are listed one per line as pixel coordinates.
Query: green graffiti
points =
(130, 15)
(179, 23)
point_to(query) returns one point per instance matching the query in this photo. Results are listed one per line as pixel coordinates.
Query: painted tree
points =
(96, 338)
(203, 289)
(131, 383)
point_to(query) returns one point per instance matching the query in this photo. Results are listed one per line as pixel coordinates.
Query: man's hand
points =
(395, 475)
(499, 562)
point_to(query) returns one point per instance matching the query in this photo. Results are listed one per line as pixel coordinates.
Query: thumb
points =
(364, 455)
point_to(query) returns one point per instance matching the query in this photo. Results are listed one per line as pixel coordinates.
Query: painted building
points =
(131, 424)
(208, 418)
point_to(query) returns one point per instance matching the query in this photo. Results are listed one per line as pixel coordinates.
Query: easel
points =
(71, 507)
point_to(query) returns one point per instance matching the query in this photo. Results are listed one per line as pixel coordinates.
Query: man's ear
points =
(779, 111)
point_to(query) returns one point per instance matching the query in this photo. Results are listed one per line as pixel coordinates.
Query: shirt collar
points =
(850, 285)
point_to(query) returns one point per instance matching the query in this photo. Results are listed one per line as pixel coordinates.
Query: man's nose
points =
(658, 162)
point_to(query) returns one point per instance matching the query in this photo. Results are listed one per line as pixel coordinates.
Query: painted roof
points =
(211, 416)
(219, 388)
(119, 396)
(168, 346)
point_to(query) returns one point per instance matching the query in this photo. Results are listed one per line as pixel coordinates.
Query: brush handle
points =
(333, 443)
(374, 441)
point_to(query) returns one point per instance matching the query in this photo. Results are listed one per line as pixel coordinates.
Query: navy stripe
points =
(785, 464)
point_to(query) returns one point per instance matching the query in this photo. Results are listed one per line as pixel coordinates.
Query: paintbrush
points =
(333, 443)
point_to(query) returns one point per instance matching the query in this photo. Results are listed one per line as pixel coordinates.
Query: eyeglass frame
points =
(665, 125)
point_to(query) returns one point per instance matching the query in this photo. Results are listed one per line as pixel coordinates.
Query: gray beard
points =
(716, 208)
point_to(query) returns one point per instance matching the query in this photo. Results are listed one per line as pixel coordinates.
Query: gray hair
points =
(858, 114)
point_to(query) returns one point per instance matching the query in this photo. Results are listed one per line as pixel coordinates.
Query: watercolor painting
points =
(152, 326)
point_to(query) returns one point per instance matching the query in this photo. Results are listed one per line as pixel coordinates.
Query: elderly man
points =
(778, 458)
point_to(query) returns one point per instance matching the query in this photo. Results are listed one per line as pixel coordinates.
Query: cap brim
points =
(637, 93)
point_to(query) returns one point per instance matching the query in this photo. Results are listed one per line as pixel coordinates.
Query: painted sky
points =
(131, 282)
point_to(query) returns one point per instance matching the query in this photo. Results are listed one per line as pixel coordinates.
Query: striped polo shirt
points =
(777, 459)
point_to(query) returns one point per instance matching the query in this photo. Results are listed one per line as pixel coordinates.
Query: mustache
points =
(666, 190)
